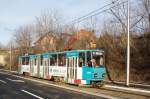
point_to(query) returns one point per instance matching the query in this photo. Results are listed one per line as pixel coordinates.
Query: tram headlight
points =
(103, 75)
(95, 75)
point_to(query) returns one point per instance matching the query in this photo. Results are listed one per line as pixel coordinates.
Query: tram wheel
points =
(94, 84)
(100, 84)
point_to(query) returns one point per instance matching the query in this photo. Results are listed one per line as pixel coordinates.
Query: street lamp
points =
(128, 47)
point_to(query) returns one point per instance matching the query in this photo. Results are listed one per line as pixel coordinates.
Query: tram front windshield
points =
(97, 59)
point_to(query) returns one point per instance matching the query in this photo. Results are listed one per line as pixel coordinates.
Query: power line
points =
(91, 13)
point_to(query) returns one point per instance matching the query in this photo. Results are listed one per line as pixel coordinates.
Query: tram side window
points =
(25, 61)
(95, 61)
(35, 61)
(53, 60)
(43, 63)
(89, 62)
(61, 60)
(81, 59)
(41, 60)
(98, 58)
(101, 60)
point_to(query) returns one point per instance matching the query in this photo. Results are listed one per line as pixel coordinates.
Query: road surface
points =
(15, 88)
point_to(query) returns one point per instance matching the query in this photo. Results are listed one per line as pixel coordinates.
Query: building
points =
(3, 57)
(45, 43)
(84, 34)
(83, 39)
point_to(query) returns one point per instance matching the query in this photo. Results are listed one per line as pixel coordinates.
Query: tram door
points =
(20, 65)
(31, 66)
(71, 69)
(38, 66)
(46, 68)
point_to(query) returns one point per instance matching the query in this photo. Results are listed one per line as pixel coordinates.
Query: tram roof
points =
(85, 50)
(48, 54)
(73, 51)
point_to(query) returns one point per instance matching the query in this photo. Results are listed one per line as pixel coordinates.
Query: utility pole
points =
(128, 47)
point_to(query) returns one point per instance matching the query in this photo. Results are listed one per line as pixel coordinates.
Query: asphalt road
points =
(12, 87)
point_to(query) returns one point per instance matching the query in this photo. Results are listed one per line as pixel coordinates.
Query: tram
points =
(81, 67)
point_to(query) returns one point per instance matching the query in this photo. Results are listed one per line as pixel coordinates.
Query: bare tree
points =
(114, 40)
(146, 6)
(24, 38)
(49, 21)
(49, 24)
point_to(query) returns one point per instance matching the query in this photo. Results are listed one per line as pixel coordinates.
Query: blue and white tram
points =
(81, 67)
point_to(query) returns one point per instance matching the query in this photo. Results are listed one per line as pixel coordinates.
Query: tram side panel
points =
(90, 74)
(41, 71)
(57, 71)
(56, 66)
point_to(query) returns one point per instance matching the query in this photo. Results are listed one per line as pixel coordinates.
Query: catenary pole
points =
(128, 46)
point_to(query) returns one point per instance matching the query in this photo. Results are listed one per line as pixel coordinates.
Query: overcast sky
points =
(14, 13)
